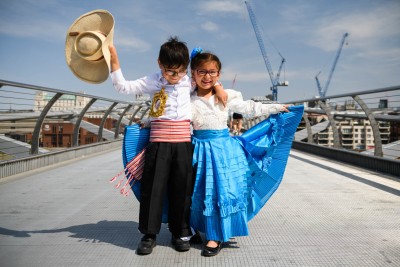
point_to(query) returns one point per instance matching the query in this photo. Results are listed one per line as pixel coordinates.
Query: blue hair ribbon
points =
(195, 52)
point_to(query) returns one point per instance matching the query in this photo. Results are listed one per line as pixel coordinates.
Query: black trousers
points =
(167, 172)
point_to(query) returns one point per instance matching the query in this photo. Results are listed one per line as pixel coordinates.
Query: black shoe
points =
(209, 252)
(146, 245)
(179, 244)
(196, 238)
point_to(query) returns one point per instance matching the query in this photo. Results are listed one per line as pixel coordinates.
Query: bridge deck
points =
(323, 214)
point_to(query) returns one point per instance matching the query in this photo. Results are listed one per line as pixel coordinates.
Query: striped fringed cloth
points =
(133, 172)
(170, 131)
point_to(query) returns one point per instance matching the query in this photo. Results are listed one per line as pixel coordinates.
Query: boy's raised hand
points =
(114, 62)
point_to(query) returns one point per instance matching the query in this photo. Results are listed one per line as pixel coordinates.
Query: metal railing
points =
(365, 123)
(361, 128)
(24, 108)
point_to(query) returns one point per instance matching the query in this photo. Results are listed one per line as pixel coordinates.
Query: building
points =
(64, 102)
(355, 134)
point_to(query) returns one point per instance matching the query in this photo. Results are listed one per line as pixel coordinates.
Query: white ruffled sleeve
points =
(249, 108)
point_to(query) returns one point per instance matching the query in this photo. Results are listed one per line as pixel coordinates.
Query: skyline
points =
(306, 33)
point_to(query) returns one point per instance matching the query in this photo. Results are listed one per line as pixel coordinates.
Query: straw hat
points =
(86, 46)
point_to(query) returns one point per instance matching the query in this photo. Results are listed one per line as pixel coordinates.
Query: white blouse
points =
(206, 115)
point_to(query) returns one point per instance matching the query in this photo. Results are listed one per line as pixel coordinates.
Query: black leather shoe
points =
(209, 252)
(179, 244)
(146, 245)
(196, 238)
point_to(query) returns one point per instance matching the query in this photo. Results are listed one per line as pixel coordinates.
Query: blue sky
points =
(306, 33)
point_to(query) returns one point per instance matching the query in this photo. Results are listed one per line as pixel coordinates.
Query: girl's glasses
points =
(213, 73)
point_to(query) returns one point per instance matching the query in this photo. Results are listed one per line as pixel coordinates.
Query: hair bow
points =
(195, 52)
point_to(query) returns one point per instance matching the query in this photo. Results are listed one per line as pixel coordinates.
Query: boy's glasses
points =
(174, 73)
(213, 73)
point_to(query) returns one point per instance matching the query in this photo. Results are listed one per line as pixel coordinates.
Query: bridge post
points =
(336, 137)
(134, 113)
(309, 130)
(144, 112)
(39, 122)
(116, 133)
(75, 141)
(103, 121)
(374, 124)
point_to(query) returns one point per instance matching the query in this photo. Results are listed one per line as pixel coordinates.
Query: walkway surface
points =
(323, 214)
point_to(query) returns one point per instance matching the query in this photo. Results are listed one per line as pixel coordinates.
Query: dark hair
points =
(200, 58)
(174, 53)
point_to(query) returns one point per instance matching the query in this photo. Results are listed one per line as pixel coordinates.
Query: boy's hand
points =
(114, 62)
(221, 95)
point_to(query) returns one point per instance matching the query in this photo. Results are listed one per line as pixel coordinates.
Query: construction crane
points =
(322, 91)
(274, 79)
(234, 82)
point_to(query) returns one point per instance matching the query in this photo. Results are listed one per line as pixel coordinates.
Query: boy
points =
(168, 159)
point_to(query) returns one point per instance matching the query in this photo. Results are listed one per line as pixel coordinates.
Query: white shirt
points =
(178, 102)
(206, 115)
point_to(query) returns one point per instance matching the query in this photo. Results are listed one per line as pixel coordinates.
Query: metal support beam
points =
(134, 114)
(39, 122)
(374, 124)
(103, 121)
(75, 139)
(116, 133)
(309, 130)
(144, 112)
(336, 137)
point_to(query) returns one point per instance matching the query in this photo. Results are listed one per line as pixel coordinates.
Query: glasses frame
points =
(173, 73)
(217, 72)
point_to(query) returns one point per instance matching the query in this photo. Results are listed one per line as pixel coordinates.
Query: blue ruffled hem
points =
(220, 229)
(267, 146)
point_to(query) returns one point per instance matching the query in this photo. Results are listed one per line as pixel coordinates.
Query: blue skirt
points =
(219, 201)
(235, 176)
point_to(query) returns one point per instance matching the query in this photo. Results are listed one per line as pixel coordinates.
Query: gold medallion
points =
(158, 104)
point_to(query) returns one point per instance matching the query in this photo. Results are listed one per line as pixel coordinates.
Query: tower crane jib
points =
(322, 91)
(274, 80)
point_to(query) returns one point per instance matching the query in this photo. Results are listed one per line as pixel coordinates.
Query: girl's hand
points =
(284, 108)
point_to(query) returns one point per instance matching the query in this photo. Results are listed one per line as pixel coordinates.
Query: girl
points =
(225, 196)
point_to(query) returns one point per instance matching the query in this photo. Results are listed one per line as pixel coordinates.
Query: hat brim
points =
(90, 71)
